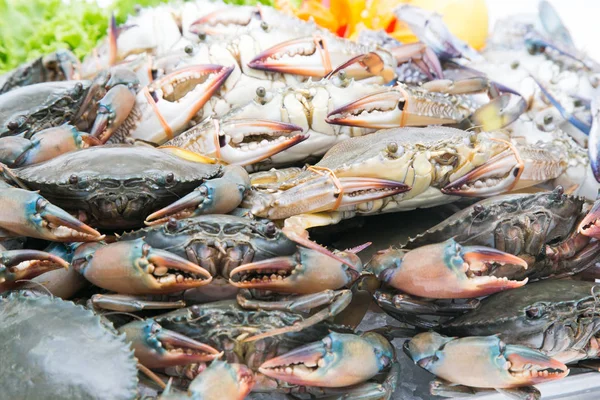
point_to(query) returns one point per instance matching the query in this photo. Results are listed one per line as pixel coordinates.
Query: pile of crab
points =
(157, 201)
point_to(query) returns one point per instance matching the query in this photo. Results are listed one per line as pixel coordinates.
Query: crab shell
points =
(63, 350)
(117, 185)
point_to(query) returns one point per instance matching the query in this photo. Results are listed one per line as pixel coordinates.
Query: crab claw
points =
(336, 361)
(310, 270)
(113, 110)
(133, 267)
(590, 225)
(498, 175)
(175, 99)
(222, 380)
(490, 362)
(156, 347)
(310, 56)
(25, 213)
(49, 143)
(445, 270)
(218, 21)
(26, 264)
(381, 110)
(240, 141)
(217, 196)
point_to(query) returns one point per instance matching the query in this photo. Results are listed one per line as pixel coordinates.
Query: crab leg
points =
(445, 270)
(241, 141)
(216, 196)
(327, 193)
(25, 213)
(26, 264)
(133, 267)
(127, 303)
(490, 362)
(156, 347)
(337, 360)
(337, 300)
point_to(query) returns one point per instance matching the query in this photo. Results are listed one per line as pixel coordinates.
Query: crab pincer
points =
(590, 224)
(482, 361)
(26, 264)
(134, 267)
(337, 360)
(219, 381)
(217, 196)
(26, 213)
(309, 270)
(318, 56)
(445, 270)
(157, 347)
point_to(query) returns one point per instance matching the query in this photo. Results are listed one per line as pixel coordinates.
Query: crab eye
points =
(270, 229)
(170, 177)
(155, 328)
(534, 312)
(401, 104)
(41, 204)
(171, 224)
(261, 91)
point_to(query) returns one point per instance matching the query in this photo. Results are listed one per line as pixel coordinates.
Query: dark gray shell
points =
(526, 314)
(54, 349)
(101, 180)
(40, 106)
(204, 230)
(222, 323)
(475, 225)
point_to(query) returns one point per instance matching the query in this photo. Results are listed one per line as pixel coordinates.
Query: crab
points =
(74, 336)
(113, 187)
(30, 109)
(212, 257)
(61, 65)
(391, 170)
(308, 360)
(542, 228)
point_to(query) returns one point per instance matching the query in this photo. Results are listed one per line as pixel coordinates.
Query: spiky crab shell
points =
(54, 349)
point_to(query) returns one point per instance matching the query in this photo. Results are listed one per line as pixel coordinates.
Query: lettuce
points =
(31, 28)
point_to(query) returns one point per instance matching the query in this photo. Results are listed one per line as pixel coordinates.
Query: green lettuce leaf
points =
(31, 28)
